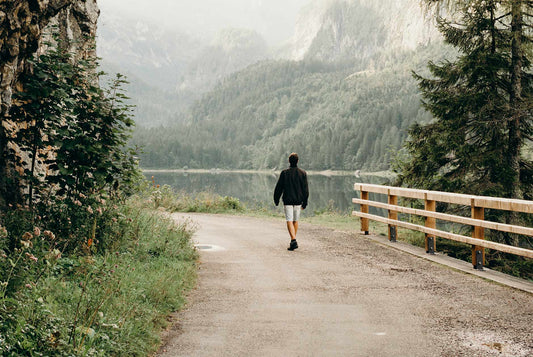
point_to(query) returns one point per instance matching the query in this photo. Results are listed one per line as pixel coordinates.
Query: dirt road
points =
(339, 294)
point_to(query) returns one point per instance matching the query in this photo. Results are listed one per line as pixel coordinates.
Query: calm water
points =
(257, 189)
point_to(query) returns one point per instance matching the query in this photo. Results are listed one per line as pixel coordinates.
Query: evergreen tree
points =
(481, 103)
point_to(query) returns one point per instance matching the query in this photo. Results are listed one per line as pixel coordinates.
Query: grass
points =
(206, 202)
(110, 304)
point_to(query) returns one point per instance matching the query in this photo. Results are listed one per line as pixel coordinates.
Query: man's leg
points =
(295, 218)
(291, 219)
(292, 229)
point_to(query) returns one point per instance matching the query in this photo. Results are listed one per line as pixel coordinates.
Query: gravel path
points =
(339, 294)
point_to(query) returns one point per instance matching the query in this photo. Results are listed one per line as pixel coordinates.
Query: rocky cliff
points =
(329, 30)
(24, 26)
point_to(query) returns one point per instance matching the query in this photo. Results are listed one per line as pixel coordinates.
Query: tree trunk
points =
(515, 99)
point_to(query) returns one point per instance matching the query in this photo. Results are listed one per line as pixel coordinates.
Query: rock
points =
(24, 28)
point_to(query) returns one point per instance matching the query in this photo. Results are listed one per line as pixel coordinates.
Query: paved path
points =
(339, 294)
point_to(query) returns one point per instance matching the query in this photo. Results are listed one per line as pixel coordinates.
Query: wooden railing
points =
(478, 205)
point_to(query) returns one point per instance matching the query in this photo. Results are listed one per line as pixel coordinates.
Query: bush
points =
(95, 301)
(206, 202)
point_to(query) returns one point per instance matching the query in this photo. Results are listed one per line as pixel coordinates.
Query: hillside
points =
(345, 103)
(337, 117)
(169, 70)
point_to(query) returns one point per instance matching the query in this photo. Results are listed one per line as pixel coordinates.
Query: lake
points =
(256, 189)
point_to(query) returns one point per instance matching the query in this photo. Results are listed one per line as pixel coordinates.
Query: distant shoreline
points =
(354, 173)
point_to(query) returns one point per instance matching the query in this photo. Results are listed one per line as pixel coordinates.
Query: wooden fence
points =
(478, 205)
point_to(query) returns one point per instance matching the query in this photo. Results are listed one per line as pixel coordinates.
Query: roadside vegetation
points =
(107, 297)
(87, 266)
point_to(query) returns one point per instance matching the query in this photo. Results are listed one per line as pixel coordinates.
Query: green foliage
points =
(74, 133)
(340, 116)
(101, 277)
(206, 202)
(113, 303)
(470, 147)
(76, 137)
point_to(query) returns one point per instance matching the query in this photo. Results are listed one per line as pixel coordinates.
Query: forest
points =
(346, 115)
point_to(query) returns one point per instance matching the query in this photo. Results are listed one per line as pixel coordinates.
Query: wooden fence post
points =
(364, 209)
(431, 244)
(478, 253)
(393, 230)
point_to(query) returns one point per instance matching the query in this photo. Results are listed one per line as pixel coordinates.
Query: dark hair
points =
(293, 159)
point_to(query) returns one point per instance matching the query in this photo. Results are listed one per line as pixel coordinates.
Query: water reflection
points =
(257, 189)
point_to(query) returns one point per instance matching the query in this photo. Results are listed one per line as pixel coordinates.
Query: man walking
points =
(292, 184)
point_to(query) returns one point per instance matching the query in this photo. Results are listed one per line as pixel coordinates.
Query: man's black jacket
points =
(292, 184)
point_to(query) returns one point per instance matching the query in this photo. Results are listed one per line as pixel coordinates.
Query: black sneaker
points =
(293, 246)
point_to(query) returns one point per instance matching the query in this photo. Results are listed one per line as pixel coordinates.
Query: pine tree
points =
(481, 103)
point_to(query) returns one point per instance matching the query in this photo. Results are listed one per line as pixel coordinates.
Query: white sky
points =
(274, 19)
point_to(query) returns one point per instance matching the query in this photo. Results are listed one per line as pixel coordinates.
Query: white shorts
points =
(292, 213)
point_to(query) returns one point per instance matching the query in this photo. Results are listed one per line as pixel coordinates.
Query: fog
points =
(273, 19)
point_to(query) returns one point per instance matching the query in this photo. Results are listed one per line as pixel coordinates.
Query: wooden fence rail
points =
(478, 205)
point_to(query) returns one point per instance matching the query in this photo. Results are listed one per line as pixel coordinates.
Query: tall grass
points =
(181, 201)
(108, 304)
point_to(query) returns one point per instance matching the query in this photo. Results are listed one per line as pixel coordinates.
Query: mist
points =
(273, 19)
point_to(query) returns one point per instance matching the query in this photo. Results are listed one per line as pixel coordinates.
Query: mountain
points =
(230, 51)
(157, 56)
(169, 69)
(336, 116)
(333, 30)
(345, 103)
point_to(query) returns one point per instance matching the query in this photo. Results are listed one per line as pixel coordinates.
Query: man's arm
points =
(305, 191)
(278, 190)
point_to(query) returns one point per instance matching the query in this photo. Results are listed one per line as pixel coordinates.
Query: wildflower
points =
(49, 235)
(36, 231)
(90, 210)
(53, 255)
(99, 210)
(26, 244)
(77, 202)
(27, 236)
(114, 220)
(32, 257)
(28, 286)
(3, 232)
(89, 242)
